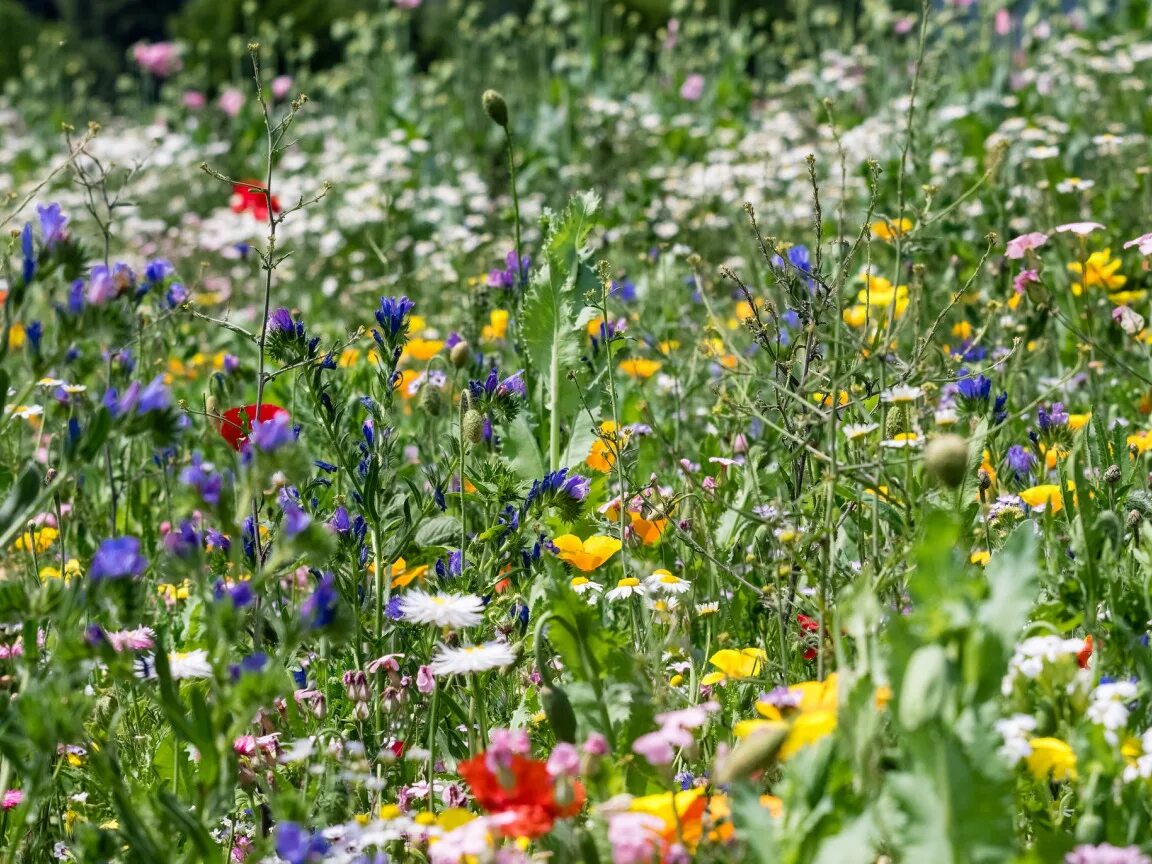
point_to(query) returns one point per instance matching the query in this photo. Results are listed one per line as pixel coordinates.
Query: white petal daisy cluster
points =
(1016, 730)
(1109, 707)
(1034, 653)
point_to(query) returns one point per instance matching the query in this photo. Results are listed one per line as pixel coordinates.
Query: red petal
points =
(238, 422)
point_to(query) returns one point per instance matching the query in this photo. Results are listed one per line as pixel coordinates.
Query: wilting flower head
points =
(118, 558)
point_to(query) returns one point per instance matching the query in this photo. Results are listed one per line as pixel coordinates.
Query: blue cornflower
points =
(392, 314)
(320, 608)
(52, 222)
(118, 558)
(298, 845)
(154, 397)
(394, 609)
(29, 252)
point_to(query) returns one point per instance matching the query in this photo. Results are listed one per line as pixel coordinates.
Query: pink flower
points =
(158, 58)
(595, 744)
(655, 748)
(194, 100)
(12, 799)
(503, 745)
(408, 4)
(1130, 321)
(692, 88)
(425, 680)
(1003, 22)
(1023, 279)
(1017, 246)
(903, 26)
(635, 838)
(230, 101)
(387, 663)
(1082, 229)
(16, 649)
(673, 34)
(281, 86)
(1143, 243)
(692, 717)
(140, 639)
(564, 761)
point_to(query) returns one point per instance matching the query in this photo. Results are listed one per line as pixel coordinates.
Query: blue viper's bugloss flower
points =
(29, 252)
(35, 332)
(76, 297)
(319, 609)
(974, 392)
(182, 541)
(394, 610)
(154, 397)
(392, 314)
(625, 289)
(340, 522)
(157, 271)
(52, 223)
(1049, 418)
(240, 594)
(999, 414)
(513, 385)
(273, 434)
(295, 519)
(298, 845)
(1020, 462)
(281, 321)
(118, 558)
(201, 477)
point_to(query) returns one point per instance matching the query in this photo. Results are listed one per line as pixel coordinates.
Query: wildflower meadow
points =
(648, 432)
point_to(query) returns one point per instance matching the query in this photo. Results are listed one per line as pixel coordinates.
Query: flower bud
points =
(896, 422)
(430, 401)
(946, 459)
(473, 426)
(755, 753)
(1112, 475)
(459, 355)
(495, 107)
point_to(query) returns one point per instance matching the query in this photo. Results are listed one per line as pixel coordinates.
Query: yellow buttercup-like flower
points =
(1046, 495)
(497, 326)
(40, 539)
(588, 554)
(889, 229)
(423, 349)
(1051, 759)
(638, 367)
(1098, 270)
(737, 665)
(602, 455)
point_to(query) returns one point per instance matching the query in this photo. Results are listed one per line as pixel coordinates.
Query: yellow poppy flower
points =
(745, 663)
(39, 538)
(825, 399)
(1140, 440)
(889, 229)
(813, 696)
(422, 349)
(980, 557)
(962, 330)
(16, 336)
(1051, 759)
(497, 326)
(648, 530)
(602, 455)
(1077, 422)
(1100, 270)
(807, 728)
(588, 554)
(171, 593)
(348, 358)
(856, 316)
(1046, 495)
(638, 367)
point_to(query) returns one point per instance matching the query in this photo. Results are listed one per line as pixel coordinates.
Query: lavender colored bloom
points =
(270, 435)
(298, 845)
(781, 697)
(1106, 853)
(392, 314)
(52, 222)
(217, 540)
(240, 594)
(1020, 462)
(456, 563)
(178, 294)
(155, 396)
(319, 609)
(101, 287)
(393, 609)
(1047, 419)
(281, 321)
(203, 479)
(295, 519)
(514, 385)
(625, 289)
(369, 430)
(183, 541)
(340, 521)
(76, 297)
(118, 558)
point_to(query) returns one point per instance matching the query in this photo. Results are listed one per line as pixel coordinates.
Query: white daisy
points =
(25, 412)
(946, 416)
(904, 439)
(710, 608)
(669, 583)
(73, 389)
(51, 382)
(189, 664)
(443, 610)
(472, 658)
(853, 431)
(583, 585)
(625, 588)
(901, 394)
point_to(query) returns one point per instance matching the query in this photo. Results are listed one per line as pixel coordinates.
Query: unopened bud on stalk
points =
(946, 459)
(430, 400)
(473, 426)
(1112, 475)
(983, 480)
(459, 354)
(495, 107)
(755, 753)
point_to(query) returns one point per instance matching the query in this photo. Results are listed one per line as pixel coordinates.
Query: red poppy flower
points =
(250, 197)
(236, 423)
(529, 804)
(1085, 653)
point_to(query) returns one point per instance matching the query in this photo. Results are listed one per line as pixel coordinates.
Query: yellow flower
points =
(1100, 270)
(602, 455)
(962, 330)
(889, 229)
(734, 664)
(39, 538)
(423, 349)
(348, 358)
(588, 554)
(1127, 298)
(402, 574)
(1140, 440)
(812, 696)
(454, 817)
(648, 530)
(880, 293)
(497, 326)
(808, 728)
(1051, 759)
(825, 399)
(16, 336)
(1046, 495)
(638, 367)
(668, 346)
(1077, 422)
(980, 557)
(856, 316)
(171, 593)
(72, 570)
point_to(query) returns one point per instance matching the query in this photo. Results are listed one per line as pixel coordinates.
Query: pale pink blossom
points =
(595, 744)
(158, 58)
(692, 717)
(140, 639)
(1143, 243)
(1023, 279)
(1017, 246)
(903, 26)
(673, 34)
(281, 87)
(635, 838)
(425, 680)
(194, 100)
(1081, 229)
(655, 748)
(1130, 321)
(564, 760)
(230, 101)
(1003, 22)
(692, 88)
(408, 4)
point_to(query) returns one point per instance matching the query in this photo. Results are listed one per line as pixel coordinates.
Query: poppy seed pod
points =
(459, 354)
(946, 459)
(430, 400)
(473, 425)
(495, 107)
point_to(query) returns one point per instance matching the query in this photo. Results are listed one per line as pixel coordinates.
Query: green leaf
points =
(924, 690)
(521, 451)
(16, 504)
(1014, 585)
(553, 303)
(439, 531)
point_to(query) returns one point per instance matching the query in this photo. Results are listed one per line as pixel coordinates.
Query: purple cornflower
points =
(154, 397)
(298, 845)
(1020, 462)
(52, 222)
(158, 270)
(118, 558)
(201, 477)
(1056, 416)
(273, 434)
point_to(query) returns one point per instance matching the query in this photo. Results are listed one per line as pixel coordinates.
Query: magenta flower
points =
(564, 761)
(194, 100)
(281, 87)
(1017, 246)
(160, 59)
(11, 799)
(230, 101)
